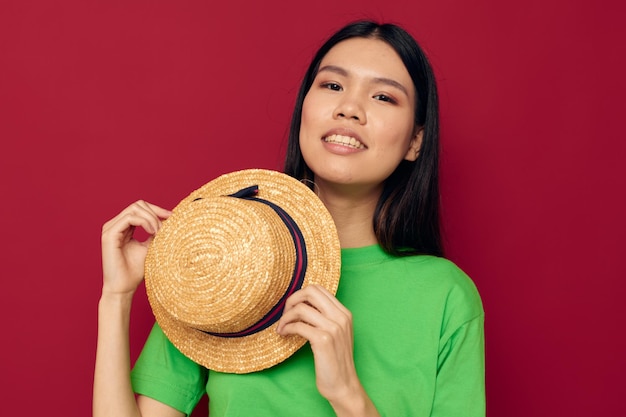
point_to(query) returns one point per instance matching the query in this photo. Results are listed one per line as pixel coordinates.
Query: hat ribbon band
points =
(299, 270)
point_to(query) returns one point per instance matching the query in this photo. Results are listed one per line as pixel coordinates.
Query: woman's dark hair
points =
(406, 220)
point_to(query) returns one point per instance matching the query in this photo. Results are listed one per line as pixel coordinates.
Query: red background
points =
(103, 103)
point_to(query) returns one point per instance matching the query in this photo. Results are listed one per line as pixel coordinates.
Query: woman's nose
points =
(350, 108)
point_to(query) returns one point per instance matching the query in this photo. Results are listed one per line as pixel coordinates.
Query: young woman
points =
(404, 334)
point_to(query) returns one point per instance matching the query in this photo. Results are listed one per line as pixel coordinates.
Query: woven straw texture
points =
(220, 263)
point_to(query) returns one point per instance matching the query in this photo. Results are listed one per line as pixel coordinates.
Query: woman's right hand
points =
(123, 259)
(123, 256)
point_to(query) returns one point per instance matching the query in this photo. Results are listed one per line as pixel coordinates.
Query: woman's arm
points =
(122, 266)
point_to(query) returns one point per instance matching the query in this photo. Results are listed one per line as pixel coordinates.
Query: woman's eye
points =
(332, 86)
(383, 97)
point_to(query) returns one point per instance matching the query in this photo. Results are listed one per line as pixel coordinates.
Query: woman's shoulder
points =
(427, 267)
(431, 274)
(439, 268)
(445, 274)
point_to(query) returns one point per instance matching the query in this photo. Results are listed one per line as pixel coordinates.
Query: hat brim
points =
(265, 348)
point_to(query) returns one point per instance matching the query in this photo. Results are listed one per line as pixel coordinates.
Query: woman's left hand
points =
(315, 314)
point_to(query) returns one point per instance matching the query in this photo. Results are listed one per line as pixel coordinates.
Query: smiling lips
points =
(344, 140)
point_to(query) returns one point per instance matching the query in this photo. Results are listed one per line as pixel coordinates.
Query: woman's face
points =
(358, 118)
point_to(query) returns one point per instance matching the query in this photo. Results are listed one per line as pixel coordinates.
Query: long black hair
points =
(406, 219)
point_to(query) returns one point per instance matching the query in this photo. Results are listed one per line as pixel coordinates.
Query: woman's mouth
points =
(344, 140)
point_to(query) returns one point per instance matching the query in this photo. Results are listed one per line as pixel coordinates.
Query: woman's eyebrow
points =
(391, 83)
(335, 69)
(376, 80)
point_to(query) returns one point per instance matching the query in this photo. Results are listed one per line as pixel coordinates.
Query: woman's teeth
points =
(344, 140)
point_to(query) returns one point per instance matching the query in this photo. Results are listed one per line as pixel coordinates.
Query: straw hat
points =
(220, 268)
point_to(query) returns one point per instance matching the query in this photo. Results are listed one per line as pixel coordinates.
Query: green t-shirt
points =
(418, 349)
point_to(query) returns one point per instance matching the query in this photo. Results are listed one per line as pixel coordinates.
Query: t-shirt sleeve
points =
(166, 375)
(460, 384)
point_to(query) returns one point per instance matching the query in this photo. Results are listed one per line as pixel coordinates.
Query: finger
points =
(305, 330)
(158, 211)
(317, 309)
(302, 312)
(137, 214)
(331, 297)
(318, 297)
(155, 213)
(318, 330)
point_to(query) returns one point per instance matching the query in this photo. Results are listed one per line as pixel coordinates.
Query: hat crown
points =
(222, 277)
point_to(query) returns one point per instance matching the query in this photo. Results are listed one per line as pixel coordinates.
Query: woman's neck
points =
(352, 209)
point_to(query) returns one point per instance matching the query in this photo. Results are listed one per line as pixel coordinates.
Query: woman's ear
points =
(415, 145)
